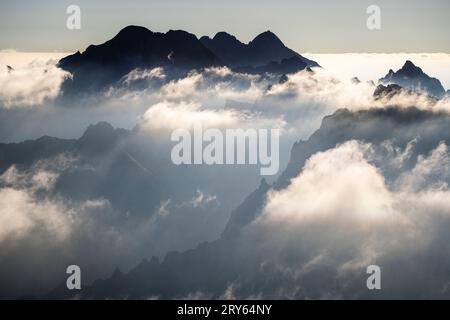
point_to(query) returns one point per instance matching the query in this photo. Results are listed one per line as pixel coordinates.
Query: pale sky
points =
(322, 26)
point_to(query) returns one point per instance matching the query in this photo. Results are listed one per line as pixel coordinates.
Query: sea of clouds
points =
(341, 207)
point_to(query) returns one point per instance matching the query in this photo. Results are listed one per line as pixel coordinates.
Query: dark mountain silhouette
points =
(136, 47)
(178, 52)
(262, 50)
(212, 267)
(413, 78)
(98, 139)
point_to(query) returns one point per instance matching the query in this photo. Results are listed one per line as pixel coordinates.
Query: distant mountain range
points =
(179, 52)
(413, 78)
(212, 266)
(107, 170)
(97, 140)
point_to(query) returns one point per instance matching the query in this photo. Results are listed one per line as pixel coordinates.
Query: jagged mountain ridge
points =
(263, 49)
(177, 51)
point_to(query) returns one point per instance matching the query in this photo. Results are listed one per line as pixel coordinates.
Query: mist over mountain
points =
(412, 77)
(238, 265)
(125, 196)
(98, 139)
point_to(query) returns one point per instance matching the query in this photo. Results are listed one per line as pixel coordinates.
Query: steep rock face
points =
(413, 78)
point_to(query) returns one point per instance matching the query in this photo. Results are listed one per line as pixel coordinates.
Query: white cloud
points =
(430, 171)
(31, 85)
(329, 92)
(27, 208)
(200, 199)
(214, 86)
(338, 182)
(340, 213)
(300, 103)
(169, 116)
(22, 213)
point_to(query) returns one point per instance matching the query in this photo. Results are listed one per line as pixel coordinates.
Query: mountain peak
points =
(99, 138)
(268, 34)
(132, 32)
(224, 36)
(266, 38)
(410, 69)
(133, 28)
(101, 128)
(413, 78)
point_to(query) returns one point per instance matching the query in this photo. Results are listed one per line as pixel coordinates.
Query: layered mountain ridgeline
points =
(97, 140)
(102, 166)
(233, 261)
(178, 52)
(413, 78)
(264, 49)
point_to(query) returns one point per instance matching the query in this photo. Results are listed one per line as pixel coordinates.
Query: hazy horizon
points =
(328, 27)
(365, 66)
